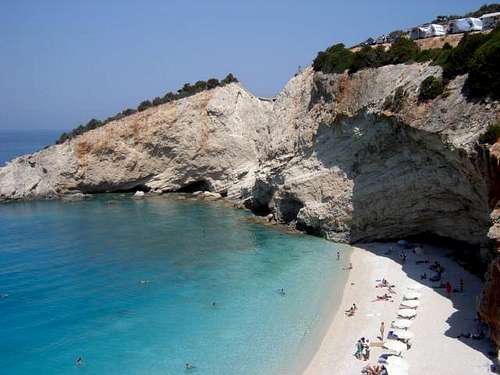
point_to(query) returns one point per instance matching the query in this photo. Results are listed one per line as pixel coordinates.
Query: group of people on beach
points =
(362, 349)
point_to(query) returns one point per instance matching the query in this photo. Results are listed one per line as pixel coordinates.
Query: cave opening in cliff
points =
(258, 208)
(200, 185)
(132, 189)
(289, 208)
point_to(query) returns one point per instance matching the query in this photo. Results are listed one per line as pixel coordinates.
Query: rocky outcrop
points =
(211, 140)
(352, 158)
(367, 161)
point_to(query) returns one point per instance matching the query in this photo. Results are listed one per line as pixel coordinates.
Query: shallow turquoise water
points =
(72, 273)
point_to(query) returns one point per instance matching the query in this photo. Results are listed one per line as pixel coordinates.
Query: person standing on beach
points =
(366, 350)
(461, 285)
(338, 255)
(382, 329)
(359, 348)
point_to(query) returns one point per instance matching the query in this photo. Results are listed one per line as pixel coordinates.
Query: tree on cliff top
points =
(484, 69)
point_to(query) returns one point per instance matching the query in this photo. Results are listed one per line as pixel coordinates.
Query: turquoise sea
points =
(129, 284)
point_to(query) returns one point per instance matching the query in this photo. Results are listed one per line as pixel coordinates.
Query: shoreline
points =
(439, 319)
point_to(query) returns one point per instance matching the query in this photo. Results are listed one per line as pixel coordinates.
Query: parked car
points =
(463, 25)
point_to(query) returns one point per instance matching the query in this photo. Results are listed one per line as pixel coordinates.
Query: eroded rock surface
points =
(348, 157)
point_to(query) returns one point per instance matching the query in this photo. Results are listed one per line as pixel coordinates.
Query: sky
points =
(65, 62)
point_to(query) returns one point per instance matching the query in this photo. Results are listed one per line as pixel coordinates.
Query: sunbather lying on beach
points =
(385, 297)
(348, 267)
(352, 310)
(389, 288)
(374, 370)
(384, 284)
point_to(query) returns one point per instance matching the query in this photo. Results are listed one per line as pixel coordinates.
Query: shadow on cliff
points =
(463, 321)
(408, 182)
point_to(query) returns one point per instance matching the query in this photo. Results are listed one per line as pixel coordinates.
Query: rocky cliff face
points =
(209, 141)
(353, 158)
(349, 157)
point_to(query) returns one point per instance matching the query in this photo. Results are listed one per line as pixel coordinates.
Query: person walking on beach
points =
(382, 329)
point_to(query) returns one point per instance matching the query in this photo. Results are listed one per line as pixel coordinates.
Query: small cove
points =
(73, 271)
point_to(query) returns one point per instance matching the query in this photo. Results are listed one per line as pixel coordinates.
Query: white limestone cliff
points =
(348, 157)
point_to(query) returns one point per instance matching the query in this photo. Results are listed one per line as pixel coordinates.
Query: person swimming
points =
(282, 292)
(189, 366)
(79, 362)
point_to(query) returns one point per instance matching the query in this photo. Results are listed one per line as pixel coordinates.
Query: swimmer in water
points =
(282, 292)
(79, 362)
(189, 366)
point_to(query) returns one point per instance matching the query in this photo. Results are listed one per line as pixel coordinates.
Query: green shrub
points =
(144, 105)
(431, 54)
(212, 83)
(430, 88)
(229, 79)
(491, 135)
(487, 8)
(484, 69)
(402, 51)
(368, 57)
(458, 61)
(336, 59)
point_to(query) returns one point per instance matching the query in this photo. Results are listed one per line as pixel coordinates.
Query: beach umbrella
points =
(407, 313)
(397, 361)
(403, 334)
(395, 370)
(412, 295)
(413, 303)
(395, 346)
(402, 323)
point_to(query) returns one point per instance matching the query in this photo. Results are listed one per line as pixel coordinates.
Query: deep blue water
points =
(70, 276)
(15, 143)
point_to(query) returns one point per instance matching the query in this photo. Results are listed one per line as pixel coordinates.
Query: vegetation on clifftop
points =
(477, 55)
(186, 90)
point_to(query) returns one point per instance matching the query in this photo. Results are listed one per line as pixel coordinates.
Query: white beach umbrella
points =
(402, 323)
(395, 346)
(395, 370)
(407, 313)
(412, 295)
(403, 334)
(412, 303)
(397, 361)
